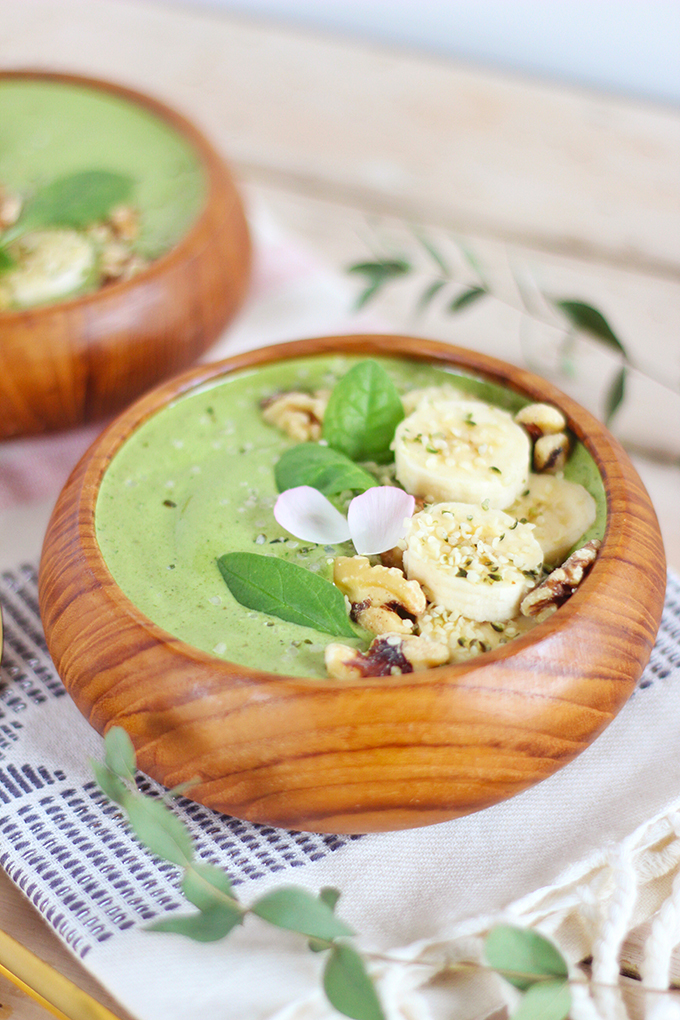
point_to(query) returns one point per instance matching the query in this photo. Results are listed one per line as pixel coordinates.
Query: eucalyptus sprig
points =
(527, 960)
(458, 297)
(345, 978)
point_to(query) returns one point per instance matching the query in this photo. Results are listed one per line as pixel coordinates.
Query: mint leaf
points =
(524, 956)
(363, 411)
(298, 910)
(275, 586)
(589, 320)
(6, 261)
(348, 987)
(77, 200)
(208, 926)
(323, 468)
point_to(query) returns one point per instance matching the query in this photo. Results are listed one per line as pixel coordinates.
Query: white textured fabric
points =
(586, 856)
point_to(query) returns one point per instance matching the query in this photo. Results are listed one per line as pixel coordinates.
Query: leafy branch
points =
(522, 957)
(581, 317)
(345, 978)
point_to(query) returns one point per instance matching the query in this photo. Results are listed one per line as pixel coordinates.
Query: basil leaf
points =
(159, 829)
(208, 926)
(77, 200)
(6, 261)
(280, 588)
(363, 411)
(323, 468)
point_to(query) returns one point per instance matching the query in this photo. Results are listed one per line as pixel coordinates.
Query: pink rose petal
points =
(377, 518)
(306, 513)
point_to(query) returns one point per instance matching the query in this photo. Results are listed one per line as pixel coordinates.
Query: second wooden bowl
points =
(79, 360)
(383, 752)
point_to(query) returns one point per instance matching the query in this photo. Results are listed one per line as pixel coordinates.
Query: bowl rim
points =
(610, 458)
(214, 167)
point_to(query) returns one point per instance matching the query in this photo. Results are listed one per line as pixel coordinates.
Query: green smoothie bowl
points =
(353, 583)
(124, 248)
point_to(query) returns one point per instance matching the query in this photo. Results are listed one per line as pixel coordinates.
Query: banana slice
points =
(51, 265)
(462, 450)
(561, 511)
(475, 562)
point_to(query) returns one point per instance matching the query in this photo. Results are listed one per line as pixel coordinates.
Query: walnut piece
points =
(541, 420)
(382, 600)
(551, 452)
(124, 220)
(299, 415)
(388, 655)
(561, 583)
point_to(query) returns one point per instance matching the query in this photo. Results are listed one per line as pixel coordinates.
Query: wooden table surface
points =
(354, 149)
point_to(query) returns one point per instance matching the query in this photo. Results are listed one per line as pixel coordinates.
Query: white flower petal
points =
(308, 515)
(377, 518)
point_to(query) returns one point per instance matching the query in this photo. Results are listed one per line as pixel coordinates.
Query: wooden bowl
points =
(380, 753)
(78, 360)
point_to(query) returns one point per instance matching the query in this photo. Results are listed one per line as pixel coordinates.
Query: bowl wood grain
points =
(380, 753)
(80, 360)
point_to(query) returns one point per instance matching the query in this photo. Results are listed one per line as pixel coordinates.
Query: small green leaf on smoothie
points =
(323, 468)
(363, 411)
(77, 200)
(275, 586)
(6, 261)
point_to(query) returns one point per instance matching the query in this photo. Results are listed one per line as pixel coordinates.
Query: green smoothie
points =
(197, 481)
(52, 130)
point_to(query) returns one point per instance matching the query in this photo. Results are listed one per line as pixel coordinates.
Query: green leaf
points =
(120, 754)
(429, 294)
(377, 274)
(617, 392)
(525, 952)
(323, 468)
(77, 200)
(466, 298)
(159, 829)
(114, 788)
(6, 261)
(471, 259)
(589, 320)
(298, 910)
(434, 254)
(363, 411)
(206, 886)
(329, 896)
(280, 588)
(208, 926)
(348, 987)
(547, 1000)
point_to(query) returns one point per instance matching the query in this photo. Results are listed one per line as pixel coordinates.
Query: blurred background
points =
(621, 46)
